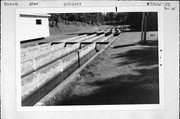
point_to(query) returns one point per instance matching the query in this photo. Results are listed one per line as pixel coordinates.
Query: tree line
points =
(133, 19)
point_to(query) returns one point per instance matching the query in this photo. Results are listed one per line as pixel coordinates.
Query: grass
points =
(120, 75)
(63, 28)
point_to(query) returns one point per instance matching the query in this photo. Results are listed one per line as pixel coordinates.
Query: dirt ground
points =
(125, 73)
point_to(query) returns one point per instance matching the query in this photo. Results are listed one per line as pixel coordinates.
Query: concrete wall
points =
(32, 52)
(86, 50)
(38, 56)
(34, 81)
(35, 57)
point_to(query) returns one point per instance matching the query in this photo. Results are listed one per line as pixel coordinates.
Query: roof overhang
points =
(35, 15)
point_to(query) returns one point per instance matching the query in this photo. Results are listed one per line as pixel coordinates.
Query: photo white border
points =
(94, 107)
(171, 64)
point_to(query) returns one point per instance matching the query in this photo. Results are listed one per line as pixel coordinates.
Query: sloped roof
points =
(35, 15)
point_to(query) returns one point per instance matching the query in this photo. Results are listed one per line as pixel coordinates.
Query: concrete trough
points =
(27, 67)
(38, 57)
(99, 33)
(56, 72)
(30, 65)
(91, 33)
(108, 33)
(85, 50)
(34, 51)
(48, 86)
(47, 55)
(70, 39)
(59, 93)
(29, 52)
(36, 92)
(35, 80)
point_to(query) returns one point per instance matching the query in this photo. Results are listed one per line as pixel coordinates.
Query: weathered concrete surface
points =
(62, 90)
(131, 78)
(33, 82)
(69, 65)
(35, 51)
(38, 56)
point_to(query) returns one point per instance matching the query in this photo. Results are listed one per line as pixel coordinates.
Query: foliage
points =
(133, 19)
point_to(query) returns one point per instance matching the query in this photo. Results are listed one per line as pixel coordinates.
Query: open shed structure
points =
(33, 26)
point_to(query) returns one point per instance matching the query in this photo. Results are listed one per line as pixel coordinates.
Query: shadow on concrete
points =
(127, 88)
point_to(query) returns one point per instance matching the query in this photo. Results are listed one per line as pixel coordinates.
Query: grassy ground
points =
(63, 28)
(126, 73)
(63, 31)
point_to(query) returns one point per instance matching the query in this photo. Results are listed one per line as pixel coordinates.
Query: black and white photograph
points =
(89, 59)
(99, 58)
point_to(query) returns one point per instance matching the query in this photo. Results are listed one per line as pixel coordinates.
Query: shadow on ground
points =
(128, 88)
(144, 56)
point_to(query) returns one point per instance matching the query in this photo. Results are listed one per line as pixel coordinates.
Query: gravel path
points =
(125, 73)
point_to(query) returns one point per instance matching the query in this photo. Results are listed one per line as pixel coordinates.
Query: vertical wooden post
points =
(142, 26)
(145, 27)
(79, 63)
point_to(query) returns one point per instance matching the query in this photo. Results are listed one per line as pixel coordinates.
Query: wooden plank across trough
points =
(85, 42)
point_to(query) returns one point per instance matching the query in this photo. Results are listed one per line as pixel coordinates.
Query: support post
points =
(144, 27)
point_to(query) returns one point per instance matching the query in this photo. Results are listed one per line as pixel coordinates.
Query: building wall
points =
(28, 29)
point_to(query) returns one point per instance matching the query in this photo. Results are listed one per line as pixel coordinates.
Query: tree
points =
(134, 19)
(152, 21)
